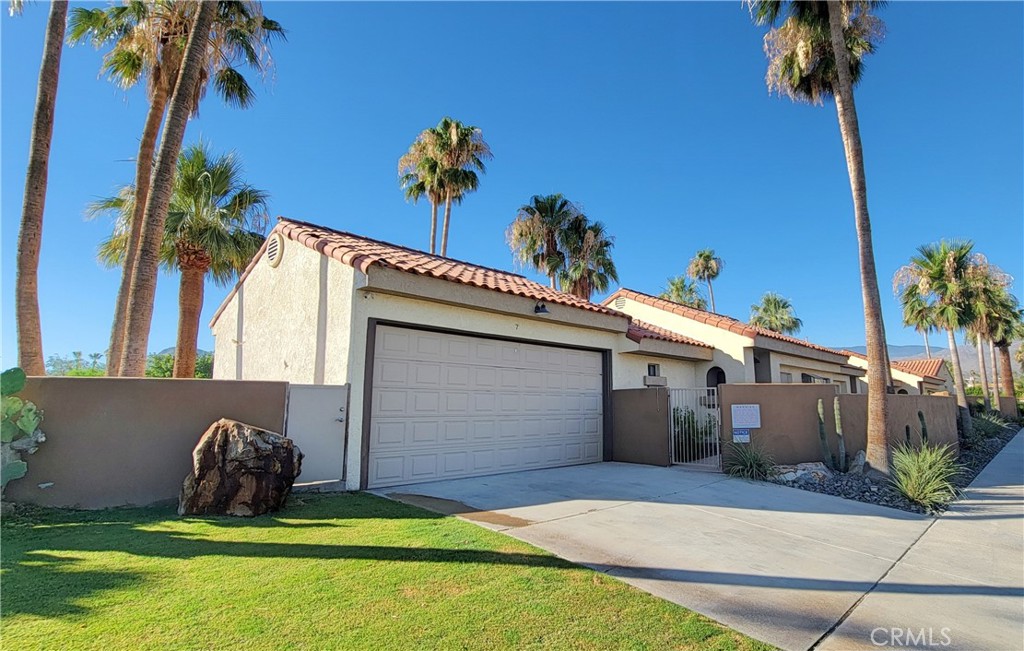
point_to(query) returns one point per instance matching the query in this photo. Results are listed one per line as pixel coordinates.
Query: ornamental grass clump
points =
(925, 475)
(749, 462)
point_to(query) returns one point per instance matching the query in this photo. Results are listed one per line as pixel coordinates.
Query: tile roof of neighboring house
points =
(924, 368)
(363, 253)
(640, 330)
(712, 319)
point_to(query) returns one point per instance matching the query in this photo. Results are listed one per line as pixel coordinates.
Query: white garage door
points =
(447, 406)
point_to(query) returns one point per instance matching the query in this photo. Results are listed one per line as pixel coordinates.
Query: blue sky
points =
(653, 116)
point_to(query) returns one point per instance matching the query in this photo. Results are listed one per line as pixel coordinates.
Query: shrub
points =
(749, 462)
(924, 476)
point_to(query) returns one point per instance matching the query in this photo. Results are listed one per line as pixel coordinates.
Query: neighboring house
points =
(454, 369)
(913, 376)
(743, 353)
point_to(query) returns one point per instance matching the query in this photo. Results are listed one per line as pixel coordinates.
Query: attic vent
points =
(275, 245)
(620, 302)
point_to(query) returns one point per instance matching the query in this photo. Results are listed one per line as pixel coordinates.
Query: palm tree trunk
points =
(1006, 368)
(433, 227)
(143, 287)
(444, 228)
(143, 178)
(30, 234)
(190, 305)
(927, 348)
(878, 453)
(711, 295)
(983, 371)
(958, 382)
(995, 374)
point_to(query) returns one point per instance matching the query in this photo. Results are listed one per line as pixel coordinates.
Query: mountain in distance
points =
(968, 355)
(199, 353)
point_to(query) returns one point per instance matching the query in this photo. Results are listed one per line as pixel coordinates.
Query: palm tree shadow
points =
(50, 585)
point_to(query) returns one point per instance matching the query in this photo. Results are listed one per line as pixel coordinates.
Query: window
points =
(807, 378)
(716, 376)
(654, 370)
(785, 378)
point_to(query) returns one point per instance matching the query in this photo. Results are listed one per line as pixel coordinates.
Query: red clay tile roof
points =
(640, 330)
(363, 253)
(712, 319)
(924, 368)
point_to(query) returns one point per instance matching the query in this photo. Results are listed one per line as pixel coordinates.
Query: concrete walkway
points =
(782, 565)
(962, 585)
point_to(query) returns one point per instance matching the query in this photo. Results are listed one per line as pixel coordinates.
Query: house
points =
(916, 377)
(454, 369)
(742, 352)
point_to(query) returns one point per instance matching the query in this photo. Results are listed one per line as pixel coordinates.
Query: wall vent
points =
(275, 247)
(620, 302)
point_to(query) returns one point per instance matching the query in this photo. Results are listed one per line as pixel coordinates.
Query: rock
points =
(804, 472)
(238, 469)
(857, 465)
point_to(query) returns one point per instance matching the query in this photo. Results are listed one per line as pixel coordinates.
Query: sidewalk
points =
(961, 586)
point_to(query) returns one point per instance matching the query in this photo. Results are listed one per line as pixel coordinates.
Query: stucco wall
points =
(629, 371)
(781, 363)
(729, 347)
(641, 426)
(117, 441)
(789, 419)
(289, 322)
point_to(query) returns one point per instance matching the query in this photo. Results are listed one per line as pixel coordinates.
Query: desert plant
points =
(907, 434)
(842, 467)
(925, 475)
(749, 461)
(826, 454)
(924, 428)
(19, 427)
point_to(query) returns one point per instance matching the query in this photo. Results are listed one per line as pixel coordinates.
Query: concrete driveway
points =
(779, 564)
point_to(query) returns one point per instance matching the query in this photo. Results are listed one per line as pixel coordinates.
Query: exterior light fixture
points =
(541, 309)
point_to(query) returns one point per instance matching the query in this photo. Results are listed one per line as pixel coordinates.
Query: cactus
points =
(841, 463)
(908, 435)
(924, 428)
(826, 453)
(19, 427)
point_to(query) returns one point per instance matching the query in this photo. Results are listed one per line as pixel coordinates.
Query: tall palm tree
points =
(462, 150)
(775, 312)
(142, 291)
(589, 266)
(215, 224)
(917, 313)
(534, 235)
(148, 41)
(989, 296)
(30, 233)
(706, 266)
(419, 175)
(684, 291)
(1009, 327)
(942, 274)
(817, 52)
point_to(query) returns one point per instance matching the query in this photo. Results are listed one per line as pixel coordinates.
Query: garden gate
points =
(695, 428)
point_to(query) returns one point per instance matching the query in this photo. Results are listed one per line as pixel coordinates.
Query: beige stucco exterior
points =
(914, 385)
(307, 321)
(739, 355)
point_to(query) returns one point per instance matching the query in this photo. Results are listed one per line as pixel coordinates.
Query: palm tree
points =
(685, 292)
(419, 174)
(534, 236)
(588, 261)
(142, 292)
(462, 150)
(30, 233)
(775, 313)
(989, 296)
(917, 313)
(148, 42)
(706, 266)
(1008, 328)
(214, 227)
(942, 273)
(817, 52)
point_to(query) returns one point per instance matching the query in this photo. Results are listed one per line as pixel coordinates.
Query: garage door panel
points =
(447, 406)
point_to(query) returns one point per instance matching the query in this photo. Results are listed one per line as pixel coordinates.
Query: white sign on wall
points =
(746, 416)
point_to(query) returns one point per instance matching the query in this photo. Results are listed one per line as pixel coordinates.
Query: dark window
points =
(716, 376)
(654, 370)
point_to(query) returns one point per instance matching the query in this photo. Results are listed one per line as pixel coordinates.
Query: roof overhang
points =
(427, 288)
(855, 371)
(796, 350)
(661, 348)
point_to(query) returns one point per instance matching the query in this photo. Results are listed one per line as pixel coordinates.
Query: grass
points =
(338, 571)
(749, 461)
(925, 475)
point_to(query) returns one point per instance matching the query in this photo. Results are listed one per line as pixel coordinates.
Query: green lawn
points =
(336, 571)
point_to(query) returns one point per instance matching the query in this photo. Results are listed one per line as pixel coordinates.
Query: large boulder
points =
(238, 469)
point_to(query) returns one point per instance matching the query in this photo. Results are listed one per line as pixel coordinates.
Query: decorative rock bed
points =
(875, 488)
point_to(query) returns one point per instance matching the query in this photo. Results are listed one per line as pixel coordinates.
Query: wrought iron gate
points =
(695, 428)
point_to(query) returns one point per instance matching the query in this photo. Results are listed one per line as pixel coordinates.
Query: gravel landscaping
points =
(876, 489)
